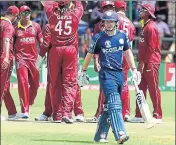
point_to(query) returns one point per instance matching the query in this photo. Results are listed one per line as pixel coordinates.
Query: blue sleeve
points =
(94, 45)
(127, 44)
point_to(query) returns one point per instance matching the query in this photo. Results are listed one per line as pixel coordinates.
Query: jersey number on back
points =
(125, 28)
(66, 30)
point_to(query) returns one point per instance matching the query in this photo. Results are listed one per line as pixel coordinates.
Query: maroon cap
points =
(24, 8)
(12, 10)
(150, 9)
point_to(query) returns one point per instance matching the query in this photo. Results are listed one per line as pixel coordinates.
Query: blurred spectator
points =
(162, 10)
(86, 41)
(163, 28)
(96, 15)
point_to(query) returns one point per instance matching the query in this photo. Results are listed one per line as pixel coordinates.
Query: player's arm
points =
(136, 76)
(6, 51)
(78, 9)
(46, 41)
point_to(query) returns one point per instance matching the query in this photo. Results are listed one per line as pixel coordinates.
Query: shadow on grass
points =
(68, 141)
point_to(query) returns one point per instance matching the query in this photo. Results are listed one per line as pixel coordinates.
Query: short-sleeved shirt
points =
(7, 31)
(64, 28)
(26, 41)
(110, 49)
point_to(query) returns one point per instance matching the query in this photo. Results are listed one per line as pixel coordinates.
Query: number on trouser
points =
(67, 28)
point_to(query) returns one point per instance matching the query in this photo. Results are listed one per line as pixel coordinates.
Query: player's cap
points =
(12, 10)
(24, 8)
(150, 9)
(110, 15)
(120, 4)
(105, 3)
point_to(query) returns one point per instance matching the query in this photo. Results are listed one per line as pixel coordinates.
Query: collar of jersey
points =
(5, 18)
(21, 26)
(120, 12)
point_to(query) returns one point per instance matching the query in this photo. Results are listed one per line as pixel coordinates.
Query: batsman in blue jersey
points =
(110, 44)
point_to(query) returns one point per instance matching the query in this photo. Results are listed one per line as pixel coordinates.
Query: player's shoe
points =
(137, 120)
(102, 141)
(123, 138)
(15, 116)
(92, 120)
(79, 118)
(67, 120)
(3, 118)
(157, 121)
(42, 117)
(127, 118)
(25, 115)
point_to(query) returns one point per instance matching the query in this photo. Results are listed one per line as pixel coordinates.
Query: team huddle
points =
(58, 44)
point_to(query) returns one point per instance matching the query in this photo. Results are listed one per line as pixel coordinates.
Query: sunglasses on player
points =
(142, 10)
(26, 13)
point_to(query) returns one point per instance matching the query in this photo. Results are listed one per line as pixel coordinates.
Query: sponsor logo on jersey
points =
(27, 40)
(20, 33)
(121, 41)
(33, 31)
(108, 44)
(113, 49)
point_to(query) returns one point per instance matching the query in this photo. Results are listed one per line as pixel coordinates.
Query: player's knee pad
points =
(113, 102)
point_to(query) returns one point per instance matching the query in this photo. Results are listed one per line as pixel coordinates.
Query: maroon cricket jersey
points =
(149, 44)
(64, 28)
(127, 26)
(7, 31)
(26, 41)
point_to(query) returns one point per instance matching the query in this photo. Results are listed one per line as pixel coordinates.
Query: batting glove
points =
(82, 78)
(39, 62)
(136, 76)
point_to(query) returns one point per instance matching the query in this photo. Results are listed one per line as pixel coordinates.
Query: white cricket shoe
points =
(127, 118)
(67, 120)
(137, 120)
(92, 119)
(15, 116)
(42, 117)
(157, 121)
(3, 118)
(25, 115)
(103, 141)
(79, 118)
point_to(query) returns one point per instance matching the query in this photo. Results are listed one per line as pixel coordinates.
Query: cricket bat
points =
(143, 107)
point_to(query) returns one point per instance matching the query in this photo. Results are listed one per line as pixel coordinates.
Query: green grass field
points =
(37, 133)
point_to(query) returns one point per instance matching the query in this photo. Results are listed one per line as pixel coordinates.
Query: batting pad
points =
(102, 127)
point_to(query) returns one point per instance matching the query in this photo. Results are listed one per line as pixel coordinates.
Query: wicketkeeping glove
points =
(82, 78)
(39, 62)
(136, 76)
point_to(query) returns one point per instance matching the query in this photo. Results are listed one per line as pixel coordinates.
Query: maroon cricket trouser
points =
(78, 110)
(62, 72)
(125, 98)
(28, 83)
(5, 89)
(150, 81)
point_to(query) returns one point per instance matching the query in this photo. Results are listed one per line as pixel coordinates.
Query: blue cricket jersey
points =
(110, 49)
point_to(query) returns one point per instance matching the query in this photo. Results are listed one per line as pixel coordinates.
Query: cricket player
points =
(149, 57)
(45, 48)
(63, 22)
(104, 6)
(111, 44)
(27, 34)
(126, 25)
(6, 54)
